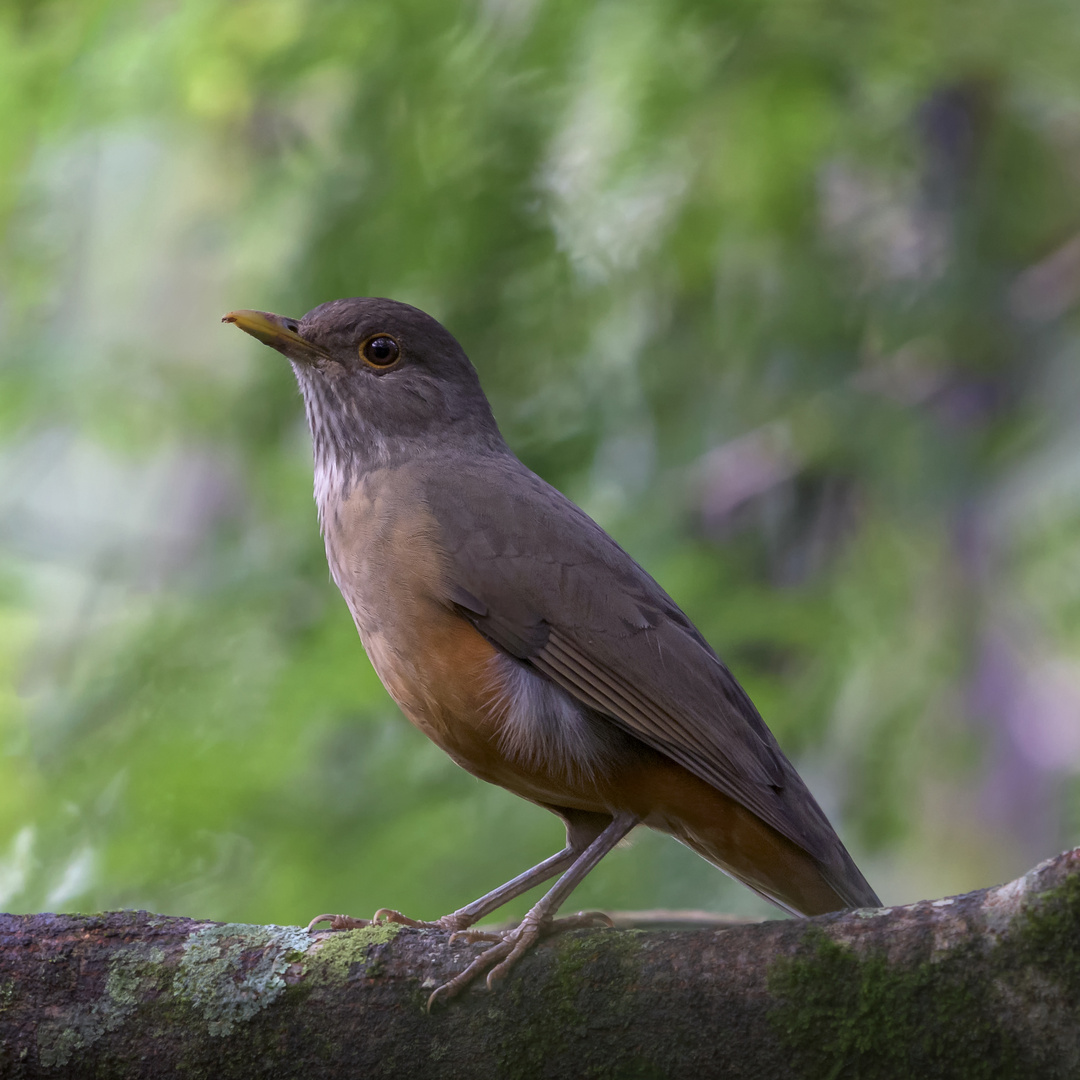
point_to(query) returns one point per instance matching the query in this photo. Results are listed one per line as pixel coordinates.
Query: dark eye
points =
(380, 350)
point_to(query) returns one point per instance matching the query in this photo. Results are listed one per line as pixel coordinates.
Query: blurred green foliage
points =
(783, 294)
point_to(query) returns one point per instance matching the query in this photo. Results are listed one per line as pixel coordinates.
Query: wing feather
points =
(658, 728)
(545, 583)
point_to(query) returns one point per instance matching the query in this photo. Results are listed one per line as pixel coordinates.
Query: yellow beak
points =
(277, 331)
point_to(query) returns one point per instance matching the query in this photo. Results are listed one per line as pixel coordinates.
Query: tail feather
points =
(791, 879)
(736, 840)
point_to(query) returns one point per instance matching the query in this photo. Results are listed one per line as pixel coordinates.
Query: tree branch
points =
(982, 985)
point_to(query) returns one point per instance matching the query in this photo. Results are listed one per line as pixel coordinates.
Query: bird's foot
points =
(454, 922)
(389, 915)
(338, 922)
(583, 920)
(510, 946)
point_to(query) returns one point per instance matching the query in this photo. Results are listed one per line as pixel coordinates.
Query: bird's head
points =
(382, 382)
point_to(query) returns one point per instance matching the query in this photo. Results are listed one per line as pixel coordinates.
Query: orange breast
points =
(452, 696)
(445, 676)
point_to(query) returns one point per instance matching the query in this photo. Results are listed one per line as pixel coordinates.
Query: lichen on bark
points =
(986, 984)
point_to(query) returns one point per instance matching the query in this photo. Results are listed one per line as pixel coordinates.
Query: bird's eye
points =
(380, 351)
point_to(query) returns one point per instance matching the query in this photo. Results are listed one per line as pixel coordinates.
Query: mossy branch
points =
(982, 985)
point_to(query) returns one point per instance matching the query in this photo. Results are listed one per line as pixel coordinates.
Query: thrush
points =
(519, 637)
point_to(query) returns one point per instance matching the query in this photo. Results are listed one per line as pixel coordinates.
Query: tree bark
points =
(981, 985)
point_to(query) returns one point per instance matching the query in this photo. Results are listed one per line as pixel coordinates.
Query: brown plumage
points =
(516, 634)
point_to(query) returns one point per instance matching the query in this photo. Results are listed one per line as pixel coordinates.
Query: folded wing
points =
(542, 581)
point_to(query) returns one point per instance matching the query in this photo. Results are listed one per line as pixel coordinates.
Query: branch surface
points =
(981, 985)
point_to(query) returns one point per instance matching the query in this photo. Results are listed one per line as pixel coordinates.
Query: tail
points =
(782, 872)
(737, 841)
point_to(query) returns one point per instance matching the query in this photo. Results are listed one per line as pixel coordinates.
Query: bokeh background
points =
(784, 294)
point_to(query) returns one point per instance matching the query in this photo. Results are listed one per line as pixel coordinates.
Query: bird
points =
(516, 634)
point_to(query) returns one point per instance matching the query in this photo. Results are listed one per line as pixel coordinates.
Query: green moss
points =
(586, 962)
(1047, 936)
(846, 1015)
(377, 933)
(230, 973)
(615, 955)
(345, 955)
(7, 994)
(855, 1015)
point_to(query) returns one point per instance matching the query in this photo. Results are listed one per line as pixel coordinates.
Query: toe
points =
(583, 920)
(519, 942)
(473, 937)
(337, 922)
(389, 915)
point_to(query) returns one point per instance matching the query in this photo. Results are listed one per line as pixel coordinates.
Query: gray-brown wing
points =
(545, 583)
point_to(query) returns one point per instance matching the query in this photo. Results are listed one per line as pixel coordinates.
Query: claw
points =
(337, 922)
(473, 937)
(583, 920)
(458, 983)
(452, 922)
(509, 947)
(389, 915)
(520, 946)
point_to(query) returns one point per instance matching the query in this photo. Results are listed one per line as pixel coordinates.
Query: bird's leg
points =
(539, 920)
(582, 828)
(464, 917)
